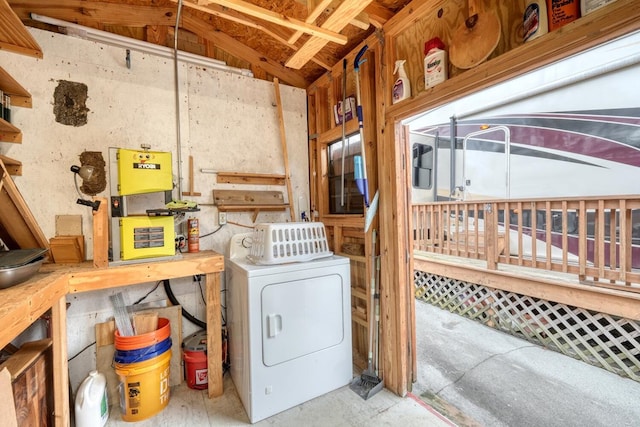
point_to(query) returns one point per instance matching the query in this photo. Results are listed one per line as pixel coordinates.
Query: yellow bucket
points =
(144, 387)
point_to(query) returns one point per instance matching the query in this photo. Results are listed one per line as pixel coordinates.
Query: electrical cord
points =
(81, 351)
(239, 225)
(185, 313)
(148, 293)
(213, 232)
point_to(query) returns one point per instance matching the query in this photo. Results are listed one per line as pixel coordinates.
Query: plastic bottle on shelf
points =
(402, 87)
(562, 12)
(534, 20)
(588, 6)
(435, 62)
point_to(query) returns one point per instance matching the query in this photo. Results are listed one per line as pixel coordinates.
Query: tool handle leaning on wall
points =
(361, 178)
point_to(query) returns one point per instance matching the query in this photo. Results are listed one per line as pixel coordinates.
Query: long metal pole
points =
(177, 95)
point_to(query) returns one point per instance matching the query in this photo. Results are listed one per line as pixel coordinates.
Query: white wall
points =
(228, 122)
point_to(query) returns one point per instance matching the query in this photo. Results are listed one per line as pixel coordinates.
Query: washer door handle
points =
(274, 325)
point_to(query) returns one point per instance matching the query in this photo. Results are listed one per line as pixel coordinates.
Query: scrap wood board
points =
(243, 199)
(250, 178)
(105, 350)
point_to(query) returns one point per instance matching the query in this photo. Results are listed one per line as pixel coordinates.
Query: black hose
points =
(185, 313)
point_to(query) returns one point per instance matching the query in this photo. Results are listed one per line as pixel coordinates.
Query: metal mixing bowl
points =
(15, 275)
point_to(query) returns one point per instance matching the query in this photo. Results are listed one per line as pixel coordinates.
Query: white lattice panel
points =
(610, 342)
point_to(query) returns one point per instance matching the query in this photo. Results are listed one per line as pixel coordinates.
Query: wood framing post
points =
(101, 234)
(395, 246)
(214, 336)
(283, 142)
(490, 234)
(61, 366)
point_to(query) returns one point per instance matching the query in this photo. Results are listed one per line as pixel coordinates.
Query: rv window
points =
(350, 201)
(422, 166)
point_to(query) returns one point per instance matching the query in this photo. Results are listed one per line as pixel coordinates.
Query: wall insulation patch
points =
(70, 103)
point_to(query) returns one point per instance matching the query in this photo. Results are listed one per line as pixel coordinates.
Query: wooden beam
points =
(234, 47)
(614, 302)
(361, 21)
(283, 142)
(313, 15)
(214, 337)
(61, 366)
(339, 19)
(101, 234)
(278, 33)
(97, 13)
(378, 14)
(273, 17)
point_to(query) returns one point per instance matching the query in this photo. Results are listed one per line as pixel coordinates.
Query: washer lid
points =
(253, 270)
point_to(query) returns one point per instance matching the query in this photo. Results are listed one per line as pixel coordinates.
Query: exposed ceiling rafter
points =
(229, 44)
(339, 19)
(270, 16)
(261, 40)
(311, 18)
(278, 33)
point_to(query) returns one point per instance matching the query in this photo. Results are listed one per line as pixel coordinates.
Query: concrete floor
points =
(474, 375)
(342, 407)
(480, 376)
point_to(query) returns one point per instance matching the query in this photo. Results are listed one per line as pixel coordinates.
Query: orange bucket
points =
(136, 342)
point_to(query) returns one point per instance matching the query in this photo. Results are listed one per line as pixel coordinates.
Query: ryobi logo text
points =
(146, 166)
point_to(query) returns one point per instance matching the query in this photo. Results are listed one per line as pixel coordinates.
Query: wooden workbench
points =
(23, 304)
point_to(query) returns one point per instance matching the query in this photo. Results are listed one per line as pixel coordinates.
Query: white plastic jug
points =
(92, 407)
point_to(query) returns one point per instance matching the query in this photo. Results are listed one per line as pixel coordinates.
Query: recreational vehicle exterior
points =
(571, 129)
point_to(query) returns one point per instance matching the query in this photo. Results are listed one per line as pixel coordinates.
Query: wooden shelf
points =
(249, 201)
(250, 178)
(20, 97)
(18, 227)
(13, 167)
(14, 37)
(9, 133)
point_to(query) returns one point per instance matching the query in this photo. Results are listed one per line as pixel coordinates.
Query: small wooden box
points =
(67, 249)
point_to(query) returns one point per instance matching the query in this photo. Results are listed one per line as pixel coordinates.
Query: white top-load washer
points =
(289, 329)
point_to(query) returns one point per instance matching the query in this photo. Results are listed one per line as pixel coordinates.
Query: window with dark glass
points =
(422, 166)
(344, 197)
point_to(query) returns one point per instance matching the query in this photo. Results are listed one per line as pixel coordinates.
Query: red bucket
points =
(194, 355)
(195, 369)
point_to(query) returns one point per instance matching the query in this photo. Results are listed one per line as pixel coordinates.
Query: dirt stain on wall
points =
(70, 103)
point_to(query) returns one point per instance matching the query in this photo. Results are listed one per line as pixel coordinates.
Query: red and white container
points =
(194, 356)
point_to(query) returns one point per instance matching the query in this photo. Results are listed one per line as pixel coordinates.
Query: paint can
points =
(193, 239)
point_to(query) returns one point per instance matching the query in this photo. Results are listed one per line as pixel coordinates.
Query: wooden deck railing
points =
(596, 238)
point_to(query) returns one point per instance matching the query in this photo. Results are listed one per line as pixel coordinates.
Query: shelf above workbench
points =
(249, 201)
